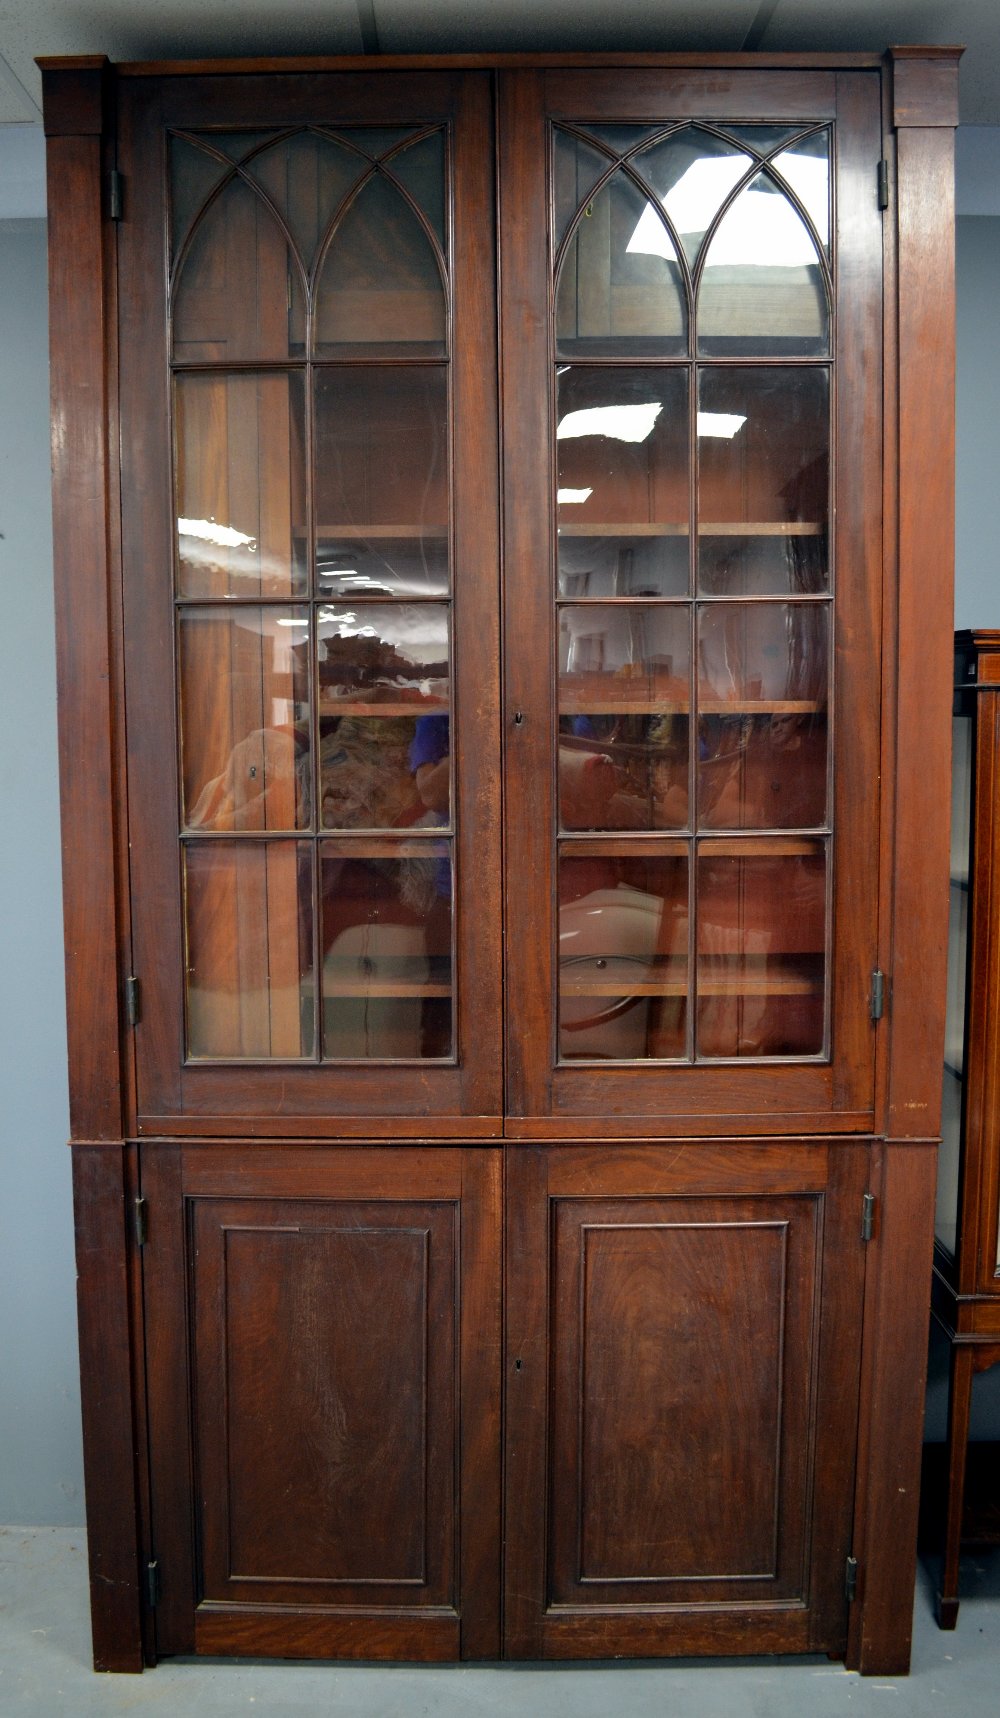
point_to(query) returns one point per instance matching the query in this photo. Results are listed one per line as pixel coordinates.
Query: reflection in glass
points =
(420, 168)
(240, 293)
(194, 174)
(806, 168)
(762, 290)
(381, 476)
(761, 937)
(763, 673)
(244, 714)
(623, 928)
(387, 952)
(248, 920)
(692, 173)
(763, 480)
(307, 176)
(622, 453)
(576, 168)
(624, 695)
(383, 567)
(620, 286)
(240, 484)
(383, 680)
(380, 284)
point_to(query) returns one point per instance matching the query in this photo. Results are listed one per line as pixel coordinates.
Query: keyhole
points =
(253, 771)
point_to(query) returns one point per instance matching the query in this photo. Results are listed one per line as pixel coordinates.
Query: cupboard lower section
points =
(323, 1383)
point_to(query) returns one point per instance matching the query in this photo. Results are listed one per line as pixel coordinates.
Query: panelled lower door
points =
(682, 1388)
(323, 1384)
(311, 609)
(692, 474)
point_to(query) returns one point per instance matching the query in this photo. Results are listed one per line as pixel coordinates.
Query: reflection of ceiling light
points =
(282, 622)
(207, 531)
(723, 424)
(762, 229)
(567, 497)
(620, 423)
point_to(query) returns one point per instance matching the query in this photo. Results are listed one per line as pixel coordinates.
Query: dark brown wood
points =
(926, 358)
(547, 1096)
(925, 85)
(106, 1398)
(334, 1306)
(687, 1310)
(894, 1371)
(80, 348)
(711, 1385)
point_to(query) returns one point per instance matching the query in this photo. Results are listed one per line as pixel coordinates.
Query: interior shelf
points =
(706, 528)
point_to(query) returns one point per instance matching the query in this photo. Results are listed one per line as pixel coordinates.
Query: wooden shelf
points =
(706, 528)
(583, 706)
(382, 988)
(395, 707)
(778, 983)
(413, 533)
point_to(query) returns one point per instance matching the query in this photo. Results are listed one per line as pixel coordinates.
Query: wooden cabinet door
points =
(693, 496)
(322, 1362)
(682, 1392)
(310, 528)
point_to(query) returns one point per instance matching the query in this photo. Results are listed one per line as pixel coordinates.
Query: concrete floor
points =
(45, 1668)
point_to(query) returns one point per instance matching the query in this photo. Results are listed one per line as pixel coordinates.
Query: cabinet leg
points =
(962, 1358)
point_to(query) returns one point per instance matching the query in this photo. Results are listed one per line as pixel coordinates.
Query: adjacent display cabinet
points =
(505, 879)
(967, 1245)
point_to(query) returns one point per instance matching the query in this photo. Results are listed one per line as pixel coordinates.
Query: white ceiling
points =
(179, 29)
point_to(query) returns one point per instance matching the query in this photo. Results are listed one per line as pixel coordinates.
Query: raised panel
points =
(317, 1315)
(681, 1399)
(325, 1349)
(682, 1396)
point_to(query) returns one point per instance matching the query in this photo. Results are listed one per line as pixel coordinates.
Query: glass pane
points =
(624, 696)
(763, 481)
(961, 797)
(374, 567)
(692, 174)
(623, 967)
(240, 485)
(376, 141)
(621, 138)
(243, 681)
(762, 291)
(762, 139)
(239, 295)
(761, 950)
(249, 923)
(381, 477)
(194, 174)
(387, 953)
(806, 168)
(763, 673)
(576, 169)
(380, 284)
(421, 169)
(620, 286)
(622, 496)
(307, 176)
(385, 748)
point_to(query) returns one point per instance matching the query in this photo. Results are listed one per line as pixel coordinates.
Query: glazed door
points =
(323, 1380)
(682, 1393)
(311, 575)
(692, 547)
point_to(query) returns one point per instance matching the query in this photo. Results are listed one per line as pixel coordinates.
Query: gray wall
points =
(40, 1464)
(40, 1475)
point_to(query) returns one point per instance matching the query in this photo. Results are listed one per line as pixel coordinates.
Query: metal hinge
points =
(867, 1216)
(878, 994)
(883, 184)
(116, 195)
(152, 1583)
(851, 1580)
(132, 1005)
(140, 1217)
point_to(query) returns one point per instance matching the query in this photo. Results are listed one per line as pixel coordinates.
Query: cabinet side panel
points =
(926, 559)
(79, 379)
(106, 1388)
